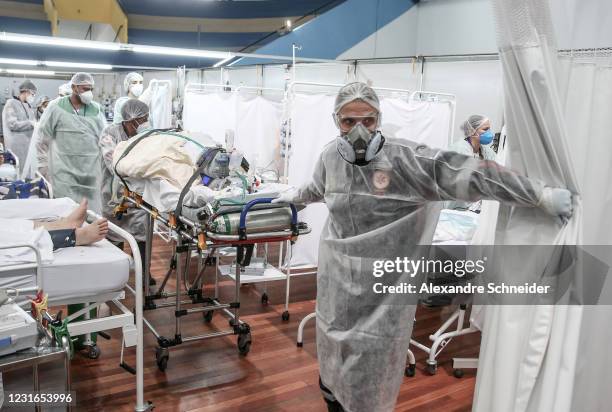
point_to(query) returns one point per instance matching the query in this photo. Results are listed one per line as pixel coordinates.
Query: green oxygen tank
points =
(257, 221)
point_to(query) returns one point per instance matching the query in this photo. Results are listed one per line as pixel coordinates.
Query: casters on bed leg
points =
(431, 368)
(161, 357)
(208, 316)
(244, 339)
(93, 352)
(458, 373)
(410, 371)
(285, 316)
(264, 299)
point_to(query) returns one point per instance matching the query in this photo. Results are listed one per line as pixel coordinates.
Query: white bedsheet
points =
(76, 272)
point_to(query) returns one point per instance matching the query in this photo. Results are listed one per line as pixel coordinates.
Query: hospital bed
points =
(88, 275)
(12, 187)
(206, 231)
(454, 228)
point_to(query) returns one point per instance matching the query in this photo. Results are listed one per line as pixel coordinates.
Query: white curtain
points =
(159, 98)
(210, 113)
(254, 120)
(312, 127)
(552, 358)
(258, 122)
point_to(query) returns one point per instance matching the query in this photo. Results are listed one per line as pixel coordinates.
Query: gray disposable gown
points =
(68, 151)
(17, 118)
(136, 219)
(382, 211)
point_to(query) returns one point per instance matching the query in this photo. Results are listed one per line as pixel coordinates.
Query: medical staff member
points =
(133, 86)
(477, 140)
(476, 143)
(18, 120)
(41, 104)
(64, 89)
(384, 196)
(135, 115)
(68, 151)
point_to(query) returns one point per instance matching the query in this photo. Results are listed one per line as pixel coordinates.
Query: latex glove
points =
(557, 202)
(288, 196)
(33, 123)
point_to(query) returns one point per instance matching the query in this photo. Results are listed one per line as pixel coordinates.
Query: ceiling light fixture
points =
(171, 51)
(19, 62)
(58, 41)
(32, 72)
(77, 65)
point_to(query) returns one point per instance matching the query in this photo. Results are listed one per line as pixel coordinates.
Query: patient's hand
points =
(91, 233)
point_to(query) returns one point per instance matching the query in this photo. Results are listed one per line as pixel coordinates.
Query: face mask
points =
(360, 145)
(30, 99)
(86, 97)
(136, 89)
(142, 127)
(486, 137)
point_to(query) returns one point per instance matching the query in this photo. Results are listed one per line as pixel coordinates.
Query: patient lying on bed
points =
(64, 232)
(69, 231)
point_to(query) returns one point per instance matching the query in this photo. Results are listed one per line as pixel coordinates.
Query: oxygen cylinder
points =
(257, 221)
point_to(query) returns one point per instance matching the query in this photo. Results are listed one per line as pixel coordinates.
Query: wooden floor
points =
(276, 375)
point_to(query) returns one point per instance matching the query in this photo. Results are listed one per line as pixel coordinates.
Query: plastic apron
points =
(382, 211)
(74, 155)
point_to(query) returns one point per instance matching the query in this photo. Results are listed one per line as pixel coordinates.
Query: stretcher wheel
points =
(244, 343)
(431, 369)
(458, 373)
(161, 357)
(93, 352)
(231, 322)
(208, 316)
(410, 371)
(264, 299)
(285, 316)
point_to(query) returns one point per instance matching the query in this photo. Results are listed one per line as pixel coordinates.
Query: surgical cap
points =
(65, 89)
(27, 85)
(129, 78)
(356, 91)
(82, 78)
(473, 123)
(41, 100)
(134, 109)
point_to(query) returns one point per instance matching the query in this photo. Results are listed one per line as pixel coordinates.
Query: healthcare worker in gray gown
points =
(18, 120)
(384, 196)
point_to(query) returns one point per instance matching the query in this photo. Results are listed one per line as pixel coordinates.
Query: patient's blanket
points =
(160, 155)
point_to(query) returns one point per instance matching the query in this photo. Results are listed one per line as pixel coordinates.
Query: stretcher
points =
(87, 275)
(239, 223)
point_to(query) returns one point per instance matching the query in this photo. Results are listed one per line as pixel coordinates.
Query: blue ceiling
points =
(225, 9)
(156, 28)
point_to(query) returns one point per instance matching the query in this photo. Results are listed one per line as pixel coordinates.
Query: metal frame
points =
(85, 327)
(188, 238)
(441, 337)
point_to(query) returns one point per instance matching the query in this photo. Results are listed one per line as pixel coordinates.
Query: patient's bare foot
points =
(76, 218)
(91, 233)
